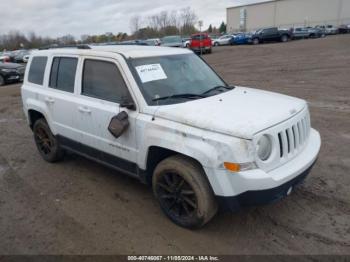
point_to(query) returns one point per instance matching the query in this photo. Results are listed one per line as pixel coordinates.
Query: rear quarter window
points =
(37, 70)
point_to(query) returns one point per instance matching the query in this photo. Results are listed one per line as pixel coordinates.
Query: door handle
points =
(49, 100)
(83, 109)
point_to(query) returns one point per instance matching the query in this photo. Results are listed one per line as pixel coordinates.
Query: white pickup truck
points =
(164, 116)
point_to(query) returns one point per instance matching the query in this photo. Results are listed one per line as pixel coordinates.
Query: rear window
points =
(199, 37)
(37, 70)
(63, 72)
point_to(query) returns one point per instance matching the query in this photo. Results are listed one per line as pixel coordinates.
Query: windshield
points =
(171, 39)
(172, 75)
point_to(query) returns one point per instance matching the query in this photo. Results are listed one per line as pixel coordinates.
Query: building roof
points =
(129, 51)
(256, 3)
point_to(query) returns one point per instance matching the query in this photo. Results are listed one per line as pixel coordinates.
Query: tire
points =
(216, 44)
(187, 45)
(183, 192)
(2, 81)
(46, 143)
(284, 38)
(255, 41)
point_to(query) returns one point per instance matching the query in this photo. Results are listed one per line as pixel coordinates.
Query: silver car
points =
(222, 40)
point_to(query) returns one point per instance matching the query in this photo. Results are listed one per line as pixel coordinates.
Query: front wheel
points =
(256, 41)
(46, 142)
(183, 193)
(216, 44)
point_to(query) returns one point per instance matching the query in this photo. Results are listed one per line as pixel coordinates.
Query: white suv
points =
(164, 116)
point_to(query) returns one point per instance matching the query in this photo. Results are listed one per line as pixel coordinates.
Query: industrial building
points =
(287, 14)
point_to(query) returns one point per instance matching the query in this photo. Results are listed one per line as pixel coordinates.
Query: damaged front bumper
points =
(256, 187)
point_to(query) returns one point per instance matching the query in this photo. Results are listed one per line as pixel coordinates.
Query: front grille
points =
(292, 139)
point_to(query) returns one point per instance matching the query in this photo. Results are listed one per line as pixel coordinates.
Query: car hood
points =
(10, 65)
(242, 112)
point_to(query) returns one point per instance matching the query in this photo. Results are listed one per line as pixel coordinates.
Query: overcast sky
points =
(77, 17)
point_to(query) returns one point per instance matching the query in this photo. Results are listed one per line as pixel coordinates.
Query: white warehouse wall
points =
(290, 13)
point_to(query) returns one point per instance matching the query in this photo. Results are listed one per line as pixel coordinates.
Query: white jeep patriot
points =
(164, 116)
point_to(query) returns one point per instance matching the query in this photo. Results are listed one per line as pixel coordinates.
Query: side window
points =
(103, 80)
(63, 72)
(37, 70)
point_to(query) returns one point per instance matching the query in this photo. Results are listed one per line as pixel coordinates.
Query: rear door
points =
(60, 96)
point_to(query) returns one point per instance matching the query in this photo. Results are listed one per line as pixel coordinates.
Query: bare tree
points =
(135, 23)
(188, 20)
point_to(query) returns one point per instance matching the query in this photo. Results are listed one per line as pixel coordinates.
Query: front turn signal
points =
(233, 167)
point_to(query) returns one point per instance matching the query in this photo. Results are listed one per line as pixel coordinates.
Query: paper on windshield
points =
(150, 73)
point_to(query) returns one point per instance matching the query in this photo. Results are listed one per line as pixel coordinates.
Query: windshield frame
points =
(140, 85)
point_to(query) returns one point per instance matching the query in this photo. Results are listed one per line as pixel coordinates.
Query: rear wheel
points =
(46, 142)
(183, 193)
(256, 41)
(284, 38)
(2, 81)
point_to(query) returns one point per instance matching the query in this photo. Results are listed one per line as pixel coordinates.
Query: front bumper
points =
(261, 197)
(257, 186)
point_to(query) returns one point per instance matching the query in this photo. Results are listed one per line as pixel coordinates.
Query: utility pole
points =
(200, 23)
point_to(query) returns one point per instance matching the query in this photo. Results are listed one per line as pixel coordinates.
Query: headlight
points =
(8, 70)
(264, 148)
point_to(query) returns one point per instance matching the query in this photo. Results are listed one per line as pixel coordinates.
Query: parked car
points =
(300, 33)
(329, 29)
(222, 40)
(200, 143)
(241, 39)
(8, 57)
(10, 73)
(272, 34)
(4, 58)
(201, 43)
(316, 32)
(186, 42)
(344, 29)
(153, 42)
(19, 56)
(172, 41)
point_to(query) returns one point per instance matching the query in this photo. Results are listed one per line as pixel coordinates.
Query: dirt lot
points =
(79, 207)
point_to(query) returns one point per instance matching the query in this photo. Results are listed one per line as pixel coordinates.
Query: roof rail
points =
(65, 46)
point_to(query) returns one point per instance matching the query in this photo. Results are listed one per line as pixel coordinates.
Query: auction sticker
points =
(150, 73)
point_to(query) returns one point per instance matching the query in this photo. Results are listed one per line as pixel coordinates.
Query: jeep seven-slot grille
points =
(292, 139)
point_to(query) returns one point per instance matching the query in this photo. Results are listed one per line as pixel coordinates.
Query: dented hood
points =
(242, 112)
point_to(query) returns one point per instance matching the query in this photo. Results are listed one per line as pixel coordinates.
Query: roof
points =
(129, 51)
(251, 4)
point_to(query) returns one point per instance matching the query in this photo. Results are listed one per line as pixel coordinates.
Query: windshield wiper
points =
(218, 88)
(188, 96)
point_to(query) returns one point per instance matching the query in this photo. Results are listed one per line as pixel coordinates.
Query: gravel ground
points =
(80, 207)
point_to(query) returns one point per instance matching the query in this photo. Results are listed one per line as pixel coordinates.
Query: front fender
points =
(210, 149)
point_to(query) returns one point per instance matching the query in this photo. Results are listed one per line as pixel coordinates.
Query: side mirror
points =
(127, 103)
(119, 124)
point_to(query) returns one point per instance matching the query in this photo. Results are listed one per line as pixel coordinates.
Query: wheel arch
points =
(156, 154)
